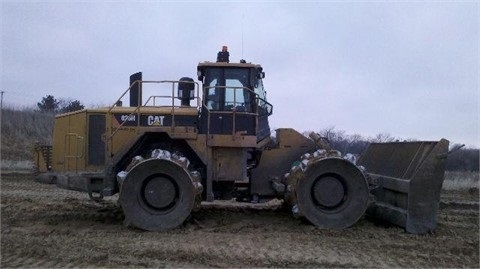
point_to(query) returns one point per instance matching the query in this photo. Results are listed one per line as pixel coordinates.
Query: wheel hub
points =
(160, 192)
(328, 191)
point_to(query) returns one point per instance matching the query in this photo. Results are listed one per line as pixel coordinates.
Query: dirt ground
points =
(43, 226)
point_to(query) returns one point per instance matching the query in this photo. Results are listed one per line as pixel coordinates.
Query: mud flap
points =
(408, 178)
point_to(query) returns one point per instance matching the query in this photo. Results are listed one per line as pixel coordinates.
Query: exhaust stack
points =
(136, 89)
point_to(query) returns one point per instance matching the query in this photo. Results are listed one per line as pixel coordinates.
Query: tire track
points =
(43, 226)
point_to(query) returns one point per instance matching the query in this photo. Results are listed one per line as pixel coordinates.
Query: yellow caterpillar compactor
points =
(191, 141)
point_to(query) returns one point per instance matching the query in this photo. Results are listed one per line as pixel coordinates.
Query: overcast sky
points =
(409, 69)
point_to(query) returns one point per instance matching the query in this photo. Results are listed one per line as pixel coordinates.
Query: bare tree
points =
(382, 138)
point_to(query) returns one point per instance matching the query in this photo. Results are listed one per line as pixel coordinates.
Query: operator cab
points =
(234, 100)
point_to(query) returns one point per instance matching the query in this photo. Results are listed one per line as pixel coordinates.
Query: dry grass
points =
(20, 129)
(17, 166)
(457, 180)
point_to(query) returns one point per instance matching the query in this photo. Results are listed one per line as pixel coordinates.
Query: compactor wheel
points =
(157, 194)
(331, 192)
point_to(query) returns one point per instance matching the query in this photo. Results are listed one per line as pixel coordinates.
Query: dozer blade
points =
(409, 176)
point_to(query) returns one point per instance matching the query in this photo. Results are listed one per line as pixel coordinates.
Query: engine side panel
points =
(69, 138)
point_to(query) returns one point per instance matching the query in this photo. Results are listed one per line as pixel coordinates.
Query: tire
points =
(333, 193)
(157, 194)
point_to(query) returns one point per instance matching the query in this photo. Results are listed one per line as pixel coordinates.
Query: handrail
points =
(234, 111)
(108, 122)
(136, 111)
(110, 133)
(120, 98)
(173, 96)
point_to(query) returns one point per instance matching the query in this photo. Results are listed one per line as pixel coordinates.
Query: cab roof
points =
(224, 64)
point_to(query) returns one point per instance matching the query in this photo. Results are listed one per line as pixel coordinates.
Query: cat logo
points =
(155, 120)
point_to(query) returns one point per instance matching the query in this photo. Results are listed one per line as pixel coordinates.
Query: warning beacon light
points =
(223, 56)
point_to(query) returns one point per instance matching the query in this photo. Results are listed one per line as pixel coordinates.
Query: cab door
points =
(228, 103)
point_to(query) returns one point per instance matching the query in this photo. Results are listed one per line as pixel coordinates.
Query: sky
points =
(408, 69)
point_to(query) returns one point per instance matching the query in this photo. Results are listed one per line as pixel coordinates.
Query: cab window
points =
(226, 89)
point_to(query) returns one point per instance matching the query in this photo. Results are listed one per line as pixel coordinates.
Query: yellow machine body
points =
(163, 154)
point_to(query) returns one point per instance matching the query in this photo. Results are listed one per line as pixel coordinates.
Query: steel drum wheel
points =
(333, 193)
(157, 194)
(328, 191)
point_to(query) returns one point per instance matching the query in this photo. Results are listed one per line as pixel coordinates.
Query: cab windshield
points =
(227, 89)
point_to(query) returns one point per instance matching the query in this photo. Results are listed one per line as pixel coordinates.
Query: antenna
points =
(243, 16)
(1, 102)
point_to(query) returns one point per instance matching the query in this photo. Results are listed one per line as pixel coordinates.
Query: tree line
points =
(49, 104)
(462, 159)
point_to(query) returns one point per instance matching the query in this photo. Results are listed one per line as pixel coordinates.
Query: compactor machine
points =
(181, 142)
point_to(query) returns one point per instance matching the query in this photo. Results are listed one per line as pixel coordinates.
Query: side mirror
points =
(200, 75)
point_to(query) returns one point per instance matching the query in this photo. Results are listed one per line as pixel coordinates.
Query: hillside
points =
(20, 129)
